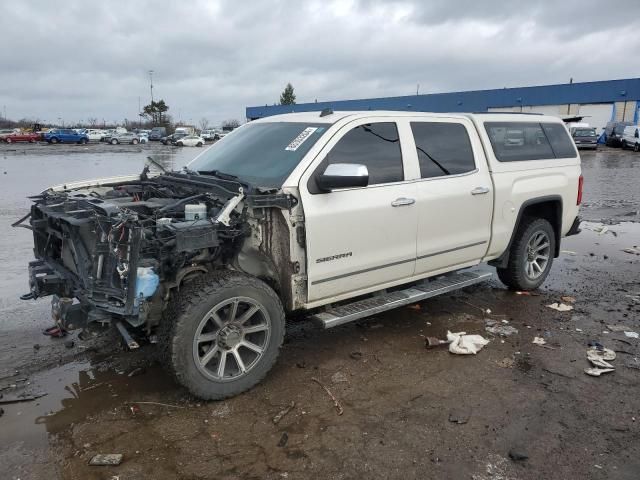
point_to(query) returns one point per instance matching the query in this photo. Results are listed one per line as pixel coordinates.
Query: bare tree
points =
(204, 123)
(92, 121)
(230, 124)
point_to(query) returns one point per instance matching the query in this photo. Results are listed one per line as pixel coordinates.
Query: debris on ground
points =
(517, 455)
(135, 372)
(560, 307)
(506, 363)
(415, 306)
(103, 459)
(282, 413)
(20, 398)
(568, 252)
(618, 328)
(431, 342)
(568, 299)
(502, 330)
(355, 355)
(539, 341)
(69, 344)
(55, 332)
(283, 439)
(596, 372)
(336, 403)
(631, 334)
(157, 404)
(462, 344)
(459, 416)
(599, 358)
(339, 377)
(632, 251)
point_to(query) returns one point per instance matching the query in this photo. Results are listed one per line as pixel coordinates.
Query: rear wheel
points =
(114, 142)
(8, 140)
(199, 144)
(134, 141)
(225, 334)
(180, 144)
(530, 256)
(54, 140)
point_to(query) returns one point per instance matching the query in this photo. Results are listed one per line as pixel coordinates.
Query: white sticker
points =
(300, 139)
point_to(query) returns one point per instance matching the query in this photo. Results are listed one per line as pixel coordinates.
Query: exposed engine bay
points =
(120, 248)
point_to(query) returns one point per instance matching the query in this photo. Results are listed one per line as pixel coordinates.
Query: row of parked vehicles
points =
(182, 137)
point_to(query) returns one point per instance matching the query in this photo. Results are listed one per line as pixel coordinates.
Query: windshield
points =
(582, 132)
(263, 154)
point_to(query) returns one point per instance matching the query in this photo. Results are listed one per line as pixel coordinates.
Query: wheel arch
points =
(548, 207)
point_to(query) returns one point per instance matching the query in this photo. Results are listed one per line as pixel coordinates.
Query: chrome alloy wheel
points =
(231, 338)
(538, 253)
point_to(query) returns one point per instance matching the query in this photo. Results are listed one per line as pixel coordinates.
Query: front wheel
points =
(180, 144)
(114, 142)
(54, 140)
(8, 140)
(134, 141)
(199, 144)
(226, 333)
(530, 256)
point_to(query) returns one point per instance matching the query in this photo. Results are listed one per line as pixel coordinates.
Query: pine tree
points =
(288, 97)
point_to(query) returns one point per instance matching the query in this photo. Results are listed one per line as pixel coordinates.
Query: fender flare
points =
(503, 260)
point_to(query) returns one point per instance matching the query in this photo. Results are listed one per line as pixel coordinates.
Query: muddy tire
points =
(531, 255)
(224, 334)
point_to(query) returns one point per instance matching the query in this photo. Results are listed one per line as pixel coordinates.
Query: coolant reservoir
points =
(147, 282)
(196, 211)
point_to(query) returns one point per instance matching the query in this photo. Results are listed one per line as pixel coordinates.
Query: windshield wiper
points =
(218, 173)
(188, 171)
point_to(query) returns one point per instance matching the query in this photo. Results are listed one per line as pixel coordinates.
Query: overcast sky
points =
(78, 59)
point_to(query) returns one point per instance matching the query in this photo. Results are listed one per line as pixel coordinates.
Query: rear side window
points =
(443, 149)
(521, 141)
(561, 144)
(375, 145)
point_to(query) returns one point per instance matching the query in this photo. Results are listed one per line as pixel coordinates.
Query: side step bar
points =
(387, 301)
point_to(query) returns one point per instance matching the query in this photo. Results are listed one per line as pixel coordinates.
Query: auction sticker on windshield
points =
(300, 139)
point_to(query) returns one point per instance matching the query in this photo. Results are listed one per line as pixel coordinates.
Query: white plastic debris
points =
(462, 344)
(631, 334)
(596, 372)
(539, 341)
(560, 307)
(502, 330)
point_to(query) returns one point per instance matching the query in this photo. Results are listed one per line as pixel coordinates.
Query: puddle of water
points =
(74, 392)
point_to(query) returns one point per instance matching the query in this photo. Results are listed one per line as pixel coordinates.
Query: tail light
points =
(580, 183)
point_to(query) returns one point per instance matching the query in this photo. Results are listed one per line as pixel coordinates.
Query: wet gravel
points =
(517, 399)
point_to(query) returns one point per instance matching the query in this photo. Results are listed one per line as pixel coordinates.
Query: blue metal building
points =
(600, 101)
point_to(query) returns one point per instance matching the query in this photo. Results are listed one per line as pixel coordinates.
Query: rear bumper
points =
(575, 227)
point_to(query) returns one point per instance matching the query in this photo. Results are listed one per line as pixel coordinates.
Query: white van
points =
(630, 138)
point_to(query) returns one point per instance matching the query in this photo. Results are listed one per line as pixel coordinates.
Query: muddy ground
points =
(409, 412)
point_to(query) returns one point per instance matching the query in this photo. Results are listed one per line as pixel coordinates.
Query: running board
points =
(387, 301)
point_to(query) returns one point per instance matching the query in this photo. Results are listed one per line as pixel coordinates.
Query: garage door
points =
(597, 114)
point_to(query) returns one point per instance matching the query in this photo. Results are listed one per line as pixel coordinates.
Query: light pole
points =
(151, 83)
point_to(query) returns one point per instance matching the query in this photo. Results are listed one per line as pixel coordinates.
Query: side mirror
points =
(343, 175)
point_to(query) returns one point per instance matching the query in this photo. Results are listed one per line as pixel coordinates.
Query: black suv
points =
(173, 138)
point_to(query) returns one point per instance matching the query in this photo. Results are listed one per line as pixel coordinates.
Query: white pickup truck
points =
(340, 215)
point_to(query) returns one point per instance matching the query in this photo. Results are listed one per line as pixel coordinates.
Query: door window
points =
(443, 149)
(375, 145)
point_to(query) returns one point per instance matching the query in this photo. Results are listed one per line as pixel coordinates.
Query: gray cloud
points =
(211, 59)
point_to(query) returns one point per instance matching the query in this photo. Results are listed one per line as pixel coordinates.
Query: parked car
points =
(126, 137)
(20, 137)
(613, 132)
(630, 138)
(143, 136)
(208, 135)
(190, 141)
(6, 131)
(65, 135)
(262, 225)
(173, 138)
(157, 133)
(95, 134)
(585, 137)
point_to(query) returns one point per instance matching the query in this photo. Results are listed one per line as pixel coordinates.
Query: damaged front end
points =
(113, 252)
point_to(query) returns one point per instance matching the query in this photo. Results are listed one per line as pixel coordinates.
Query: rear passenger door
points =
(360, 238)
(454, 195)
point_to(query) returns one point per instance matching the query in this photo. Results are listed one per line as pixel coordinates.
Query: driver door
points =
(360, 238)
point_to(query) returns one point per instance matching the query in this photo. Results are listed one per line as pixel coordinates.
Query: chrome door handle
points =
(402, 201)
(480, 191)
